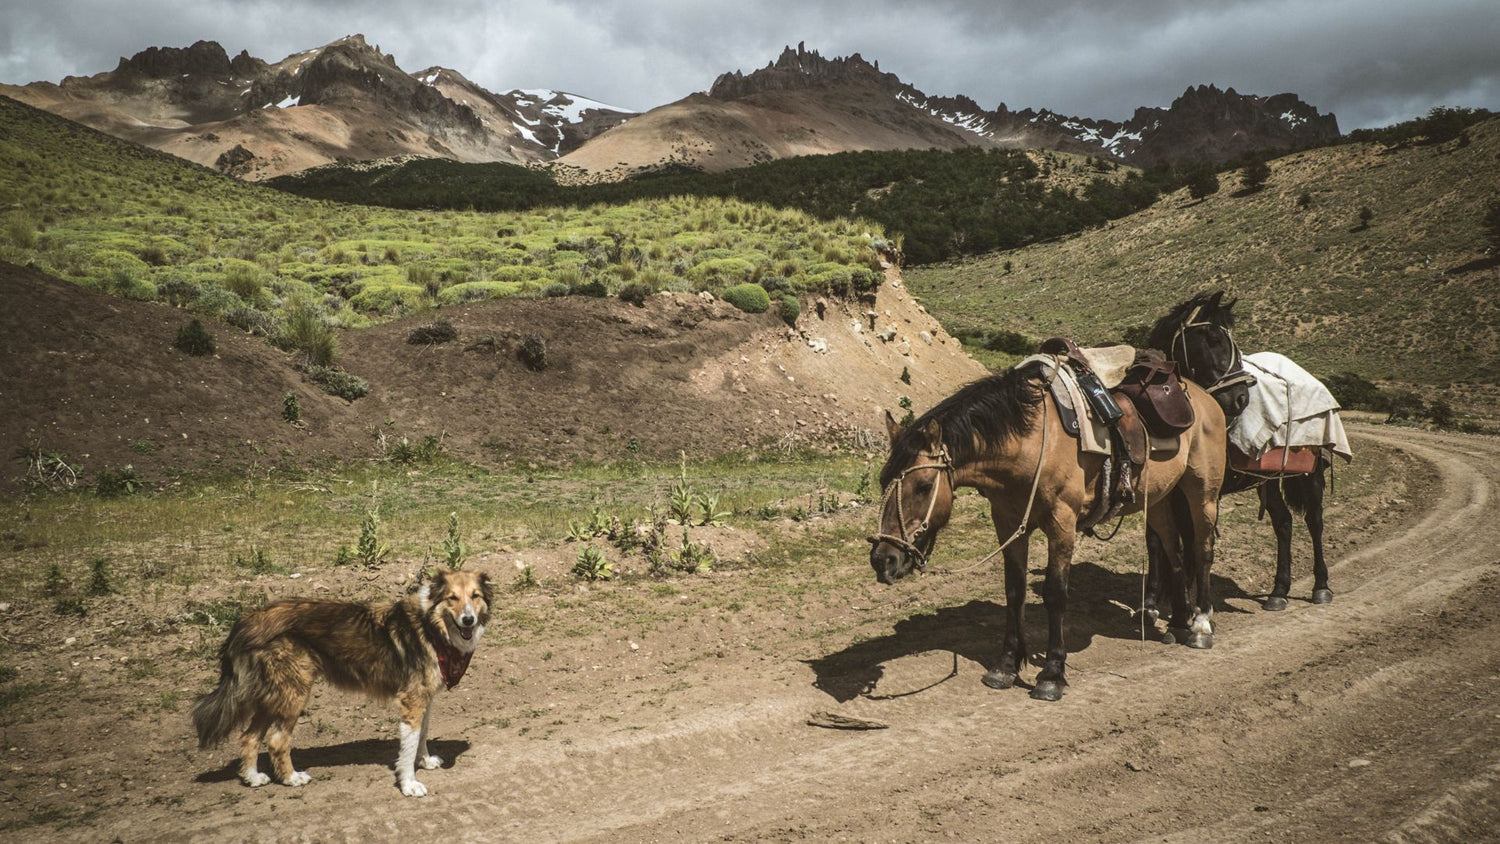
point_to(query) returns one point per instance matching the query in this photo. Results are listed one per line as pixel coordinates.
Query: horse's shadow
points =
(1099, 604)
(362, 752)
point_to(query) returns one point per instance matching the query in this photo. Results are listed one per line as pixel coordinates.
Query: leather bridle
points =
(1235, 374)
(908, 542)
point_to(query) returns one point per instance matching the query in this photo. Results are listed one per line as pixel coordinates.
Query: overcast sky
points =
(1370, 62)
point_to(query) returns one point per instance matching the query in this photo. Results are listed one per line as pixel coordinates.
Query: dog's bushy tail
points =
(226, 708)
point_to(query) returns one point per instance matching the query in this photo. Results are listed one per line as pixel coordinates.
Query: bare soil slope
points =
(98, 379)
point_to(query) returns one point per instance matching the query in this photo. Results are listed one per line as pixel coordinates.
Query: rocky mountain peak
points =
(799, 69)
(203, 58)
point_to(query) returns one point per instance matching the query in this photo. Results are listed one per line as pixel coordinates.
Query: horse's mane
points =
(984, 412)
(1214, 310)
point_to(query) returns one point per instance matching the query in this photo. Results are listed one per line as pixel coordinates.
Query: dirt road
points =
(1374, 718)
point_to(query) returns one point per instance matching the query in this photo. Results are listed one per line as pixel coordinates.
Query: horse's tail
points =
(1304, 492)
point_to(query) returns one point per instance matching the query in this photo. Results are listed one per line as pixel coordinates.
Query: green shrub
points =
(114, 484)
(750, 298)
(291, 410)
(591, 565)
(722, 270)
(20, 229)
(195, 340)
(178, 292)
(791, 308)
(473, 291)
(337, 382)
(244, 280)
(390, 298)
(305, 332)
(556, 289)
(636, 293)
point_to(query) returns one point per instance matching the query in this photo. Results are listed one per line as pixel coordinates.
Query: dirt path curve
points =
(1376, 717)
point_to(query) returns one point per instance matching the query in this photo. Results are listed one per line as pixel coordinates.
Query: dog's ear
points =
(486, 589)
(438, 586)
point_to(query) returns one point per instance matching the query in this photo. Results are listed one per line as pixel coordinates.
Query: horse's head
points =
(1203, 346)
(918, 499)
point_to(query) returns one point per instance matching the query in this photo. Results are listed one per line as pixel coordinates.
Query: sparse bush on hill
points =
(1353, 391)
(195, 340)
(1491, 225)
(1203, 183)
(750, 298)
(337, 382)
(1254, 175)
(1440, 125)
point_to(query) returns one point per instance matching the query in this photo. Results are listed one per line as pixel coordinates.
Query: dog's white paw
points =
(255, 779)
(298, 779)
(430, 763)
(412, 788)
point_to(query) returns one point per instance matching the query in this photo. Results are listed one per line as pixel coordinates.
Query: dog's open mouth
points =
(466, 632)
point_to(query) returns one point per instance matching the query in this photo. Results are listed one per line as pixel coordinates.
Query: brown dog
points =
(406, 650)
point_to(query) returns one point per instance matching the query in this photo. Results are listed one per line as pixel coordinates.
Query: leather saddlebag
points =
(1153, 387)
(1277, 460)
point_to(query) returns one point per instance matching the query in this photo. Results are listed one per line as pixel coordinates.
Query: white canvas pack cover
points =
(1287, 407)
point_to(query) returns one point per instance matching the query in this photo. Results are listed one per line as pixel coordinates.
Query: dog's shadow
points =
(362, 752)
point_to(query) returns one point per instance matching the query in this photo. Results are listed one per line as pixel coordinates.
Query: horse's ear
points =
(892, 427)
(933, 433)
(1213, 301)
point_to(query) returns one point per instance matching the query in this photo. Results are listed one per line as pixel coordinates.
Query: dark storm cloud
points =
(1371, 63)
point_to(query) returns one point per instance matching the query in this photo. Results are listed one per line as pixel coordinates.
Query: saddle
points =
(1136, 395)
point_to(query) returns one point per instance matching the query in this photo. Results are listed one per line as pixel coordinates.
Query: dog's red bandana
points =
(453, 661)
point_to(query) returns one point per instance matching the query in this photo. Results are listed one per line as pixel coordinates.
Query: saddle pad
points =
(1093, 437)
(1109, 362)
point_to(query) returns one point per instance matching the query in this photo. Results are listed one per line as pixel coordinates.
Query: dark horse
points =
(1198, 334)
(1002, 436)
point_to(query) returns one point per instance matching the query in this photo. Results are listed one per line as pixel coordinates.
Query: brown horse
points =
(1002, 436)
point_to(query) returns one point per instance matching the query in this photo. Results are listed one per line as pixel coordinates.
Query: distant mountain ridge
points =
(1204, 125)
(344, 101)
(349, 101)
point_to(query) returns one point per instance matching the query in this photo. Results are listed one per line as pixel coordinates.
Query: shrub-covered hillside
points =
(940, 204)
(144, 225)
(1379, 259)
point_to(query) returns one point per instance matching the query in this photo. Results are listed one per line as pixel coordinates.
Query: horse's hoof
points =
(998, 679)
(1200, 640)
(1275, 603)
(1152, 615)
(1175, 636)
(1048, 690)
(1322, 596)
(1168, 637)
